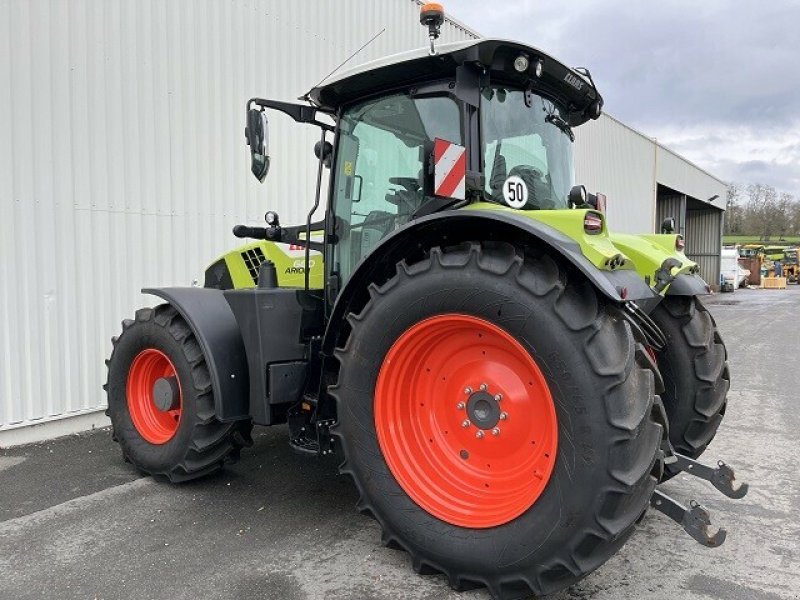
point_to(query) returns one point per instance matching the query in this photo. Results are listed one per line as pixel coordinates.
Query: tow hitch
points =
(695, 519)
(722, 477)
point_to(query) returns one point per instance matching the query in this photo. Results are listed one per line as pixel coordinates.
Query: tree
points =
(734, 212)
(759, 210)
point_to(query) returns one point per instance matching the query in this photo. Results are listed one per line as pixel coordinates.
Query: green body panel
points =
(597, 247)
(243, 263)
(648, 251)
(643, 253)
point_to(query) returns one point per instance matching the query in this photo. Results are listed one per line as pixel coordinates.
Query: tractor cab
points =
(484, 121)
(411, 152)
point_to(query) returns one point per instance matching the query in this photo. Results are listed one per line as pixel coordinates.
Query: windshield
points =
(527, 150)
(379, 168)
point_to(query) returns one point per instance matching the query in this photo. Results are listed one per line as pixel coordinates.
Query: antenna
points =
(345, 61)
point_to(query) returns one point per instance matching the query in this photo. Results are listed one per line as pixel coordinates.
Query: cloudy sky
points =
(717, 81)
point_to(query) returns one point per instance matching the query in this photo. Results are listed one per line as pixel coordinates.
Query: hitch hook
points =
(695, 520)
(722, 478)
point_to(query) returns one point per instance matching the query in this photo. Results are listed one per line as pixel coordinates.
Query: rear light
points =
(680, 244)
(593, 223)
(602, 202)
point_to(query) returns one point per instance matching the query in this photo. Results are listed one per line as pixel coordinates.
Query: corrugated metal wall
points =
(671, 205)
(627, 166)
(704, 241)
(612, 158)
(123, 165)
(677, 173)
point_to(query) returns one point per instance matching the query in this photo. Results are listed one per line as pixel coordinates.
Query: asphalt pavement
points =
(76, 522)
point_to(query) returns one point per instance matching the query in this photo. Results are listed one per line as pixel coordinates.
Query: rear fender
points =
(213, 324)
(453, 227)
(688, 284)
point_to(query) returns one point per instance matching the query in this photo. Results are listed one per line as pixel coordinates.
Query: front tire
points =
(553, 519)
(161, 403)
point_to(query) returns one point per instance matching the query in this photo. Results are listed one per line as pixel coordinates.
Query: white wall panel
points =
(614, 159)
(676, 172)
(123, 164)
(627, 166)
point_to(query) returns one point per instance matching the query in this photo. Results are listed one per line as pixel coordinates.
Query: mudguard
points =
(452, 227)
(688, 285)
(212, 322)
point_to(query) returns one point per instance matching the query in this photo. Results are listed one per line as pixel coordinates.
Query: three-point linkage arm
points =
(695, 519)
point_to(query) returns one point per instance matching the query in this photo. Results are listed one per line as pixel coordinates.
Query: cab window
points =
(379, 161)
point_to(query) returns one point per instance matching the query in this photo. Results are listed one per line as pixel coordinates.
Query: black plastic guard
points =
(217, 332)
(688, 285)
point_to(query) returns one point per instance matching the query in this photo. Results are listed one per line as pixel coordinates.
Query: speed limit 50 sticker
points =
(515, 192)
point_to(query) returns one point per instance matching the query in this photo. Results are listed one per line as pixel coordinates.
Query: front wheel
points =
(161, 403)
(498, 420)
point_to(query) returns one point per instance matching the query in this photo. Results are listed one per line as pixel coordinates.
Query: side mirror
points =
(257, 134)
(577, 196)
(668, 225)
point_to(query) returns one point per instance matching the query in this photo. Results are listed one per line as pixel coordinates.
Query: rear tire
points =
(610, 423)
(695, 371)
(197, 443)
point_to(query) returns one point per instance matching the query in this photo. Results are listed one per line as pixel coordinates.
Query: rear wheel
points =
(161, 403)
(694, 367)
(498, 420)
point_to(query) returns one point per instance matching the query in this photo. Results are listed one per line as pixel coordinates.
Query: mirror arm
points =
(299, 112)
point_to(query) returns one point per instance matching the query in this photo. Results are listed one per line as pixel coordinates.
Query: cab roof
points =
(572, 89)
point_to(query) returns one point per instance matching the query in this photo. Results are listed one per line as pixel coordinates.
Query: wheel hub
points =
(483, 410)
(166, 393)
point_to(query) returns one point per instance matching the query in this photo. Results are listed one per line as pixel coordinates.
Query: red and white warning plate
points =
(450, 170)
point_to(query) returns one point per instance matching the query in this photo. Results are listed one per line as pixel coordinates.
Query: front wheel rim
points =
(465, 421)
(153, 424)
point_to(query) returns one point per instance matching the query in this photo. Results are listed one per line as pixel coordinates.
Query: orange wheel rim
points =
(149, 373)
(465, 421)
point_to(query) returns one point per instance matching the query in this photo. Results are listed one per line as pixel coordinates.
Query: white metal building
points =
(123, 165)
(646, 182)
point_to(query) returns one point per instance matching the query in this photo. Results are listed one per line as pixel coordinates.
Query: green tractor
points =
(505, 380)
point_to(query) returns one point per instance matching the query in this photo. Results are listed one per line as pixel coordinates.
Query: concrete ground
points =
(77, 522)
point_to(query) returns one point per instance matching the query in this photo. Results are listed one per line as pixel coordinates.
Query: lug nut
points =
(465, 423)
(496, 431)
(467, 390)
(503, 416)
(479, 434)
(461, 406)
(498, 397)
(484, 387)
